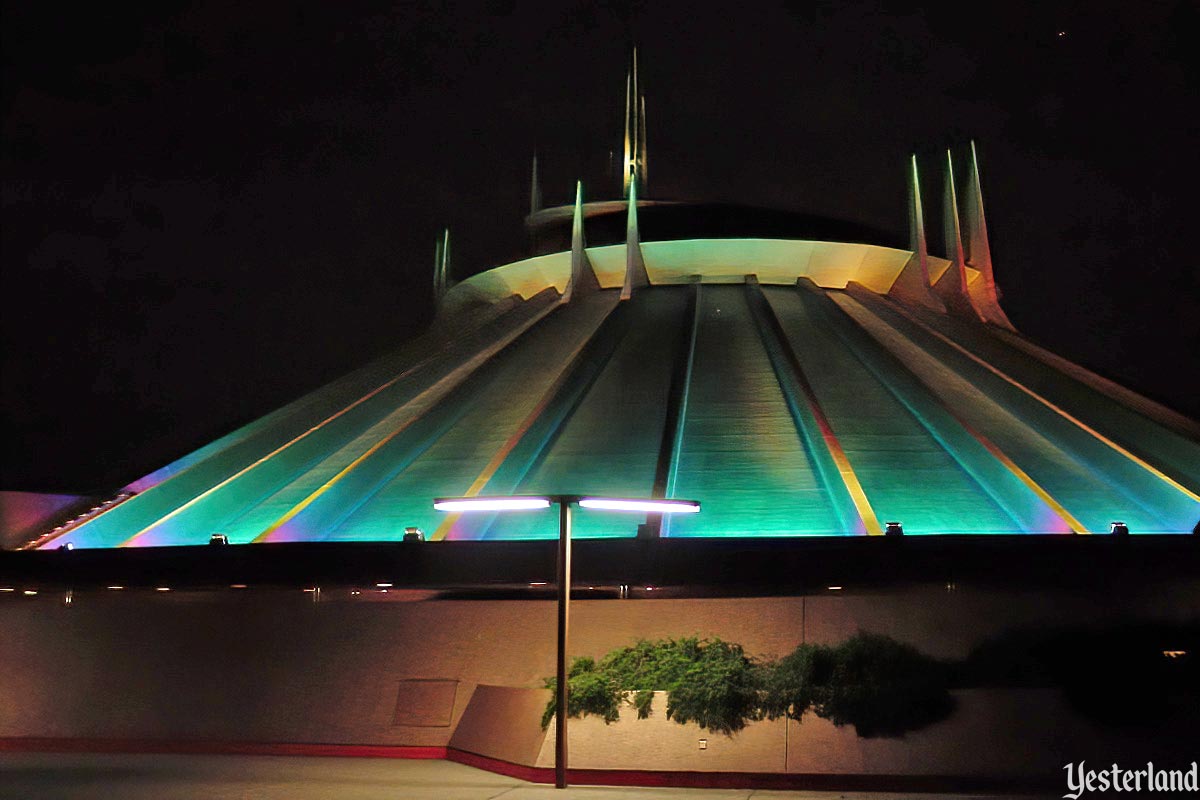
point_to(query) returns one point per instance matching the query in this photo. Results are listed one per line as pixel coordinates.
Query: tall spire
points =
(535, 188)
(952, 286)
(441, 258)
(916, 217)
(634, 165)
(627, 158)
(979, 251)
(583, 277)
(644, 160)
(987, 296)
(635, 264)
(912, 284)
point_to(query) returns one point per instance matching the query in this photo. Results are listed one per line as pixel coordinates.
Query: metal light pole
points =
(563, 578)
(563, 581)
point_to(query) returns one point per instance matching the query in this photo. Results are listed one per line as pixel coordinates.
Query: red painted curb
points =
(34, 744)
(544, 775)
(509, 768)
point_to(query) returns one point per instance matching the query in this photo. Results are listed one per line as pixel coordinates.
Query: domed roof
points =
(794, 387)
(797, 375)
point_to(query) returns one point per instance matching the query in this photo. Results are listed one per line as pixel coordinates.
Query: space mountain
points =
(791, 373)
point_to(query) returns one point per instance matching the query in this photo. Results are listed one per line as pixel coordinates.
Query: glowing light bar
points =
(490, 503)
(650, 506)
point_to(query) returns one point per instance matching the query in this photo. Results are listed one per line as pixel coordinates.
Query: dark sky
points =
(209, 209)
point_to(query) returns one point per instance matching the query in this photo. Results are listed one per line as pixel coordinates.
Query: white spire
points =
(634, 165)
(952, 286)
(441, 264)
(535, 188)
(635, 264)
(583, 277)
(985, 292)
(912, 284)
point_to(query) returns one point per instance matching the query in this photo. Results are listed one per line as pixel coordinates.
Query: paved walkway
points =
(41, 776)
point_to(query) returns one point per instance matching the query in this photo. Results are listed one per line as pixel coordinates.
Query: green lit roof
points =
(801, 400)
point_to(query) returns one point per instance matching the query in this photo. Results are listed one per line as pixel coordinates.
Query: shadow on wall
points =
(1126, 676)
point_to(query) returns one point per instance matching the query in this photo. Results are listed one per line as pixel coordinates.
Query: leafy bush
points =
(589, 691)
(880, 686)
(719, 689)
(711, 682)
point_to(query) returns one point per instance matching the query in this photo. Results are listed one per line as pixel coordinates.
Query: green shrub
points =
(880, 686)
(711, 682)
(719, 690)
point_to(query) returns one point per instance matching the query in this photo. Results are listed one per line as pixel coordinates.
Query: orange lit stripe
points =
(1075, 525)
(270, 455)
(306, 502)
(521, 329)
(503, 452)
(1110, 389)
(1095, 433)
(1057, 507)
(870, 521)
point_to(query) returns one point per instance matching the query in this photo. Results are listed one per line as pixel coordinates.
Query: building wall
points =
(26, 515)
(994, 733)
(273, 666)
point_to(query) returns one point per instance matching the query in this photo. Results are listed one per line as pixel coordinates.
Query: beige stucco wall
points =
(273, 666)
(504, 722)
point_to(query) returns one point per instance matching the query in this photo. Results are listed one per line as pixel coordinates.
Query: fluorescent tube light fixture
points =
(647, 506)
(490, 503)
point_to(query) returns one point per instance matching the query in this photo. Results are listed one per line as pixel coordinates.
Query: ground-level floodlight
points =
(894, 529)
(1118, 529)
(564, 503)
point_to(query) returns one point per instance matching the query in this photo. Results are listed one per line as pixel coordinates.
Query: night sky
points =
(209, 209)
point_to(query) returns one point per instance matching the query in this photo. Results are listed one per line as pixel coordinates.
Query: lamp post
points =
(563, 577)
